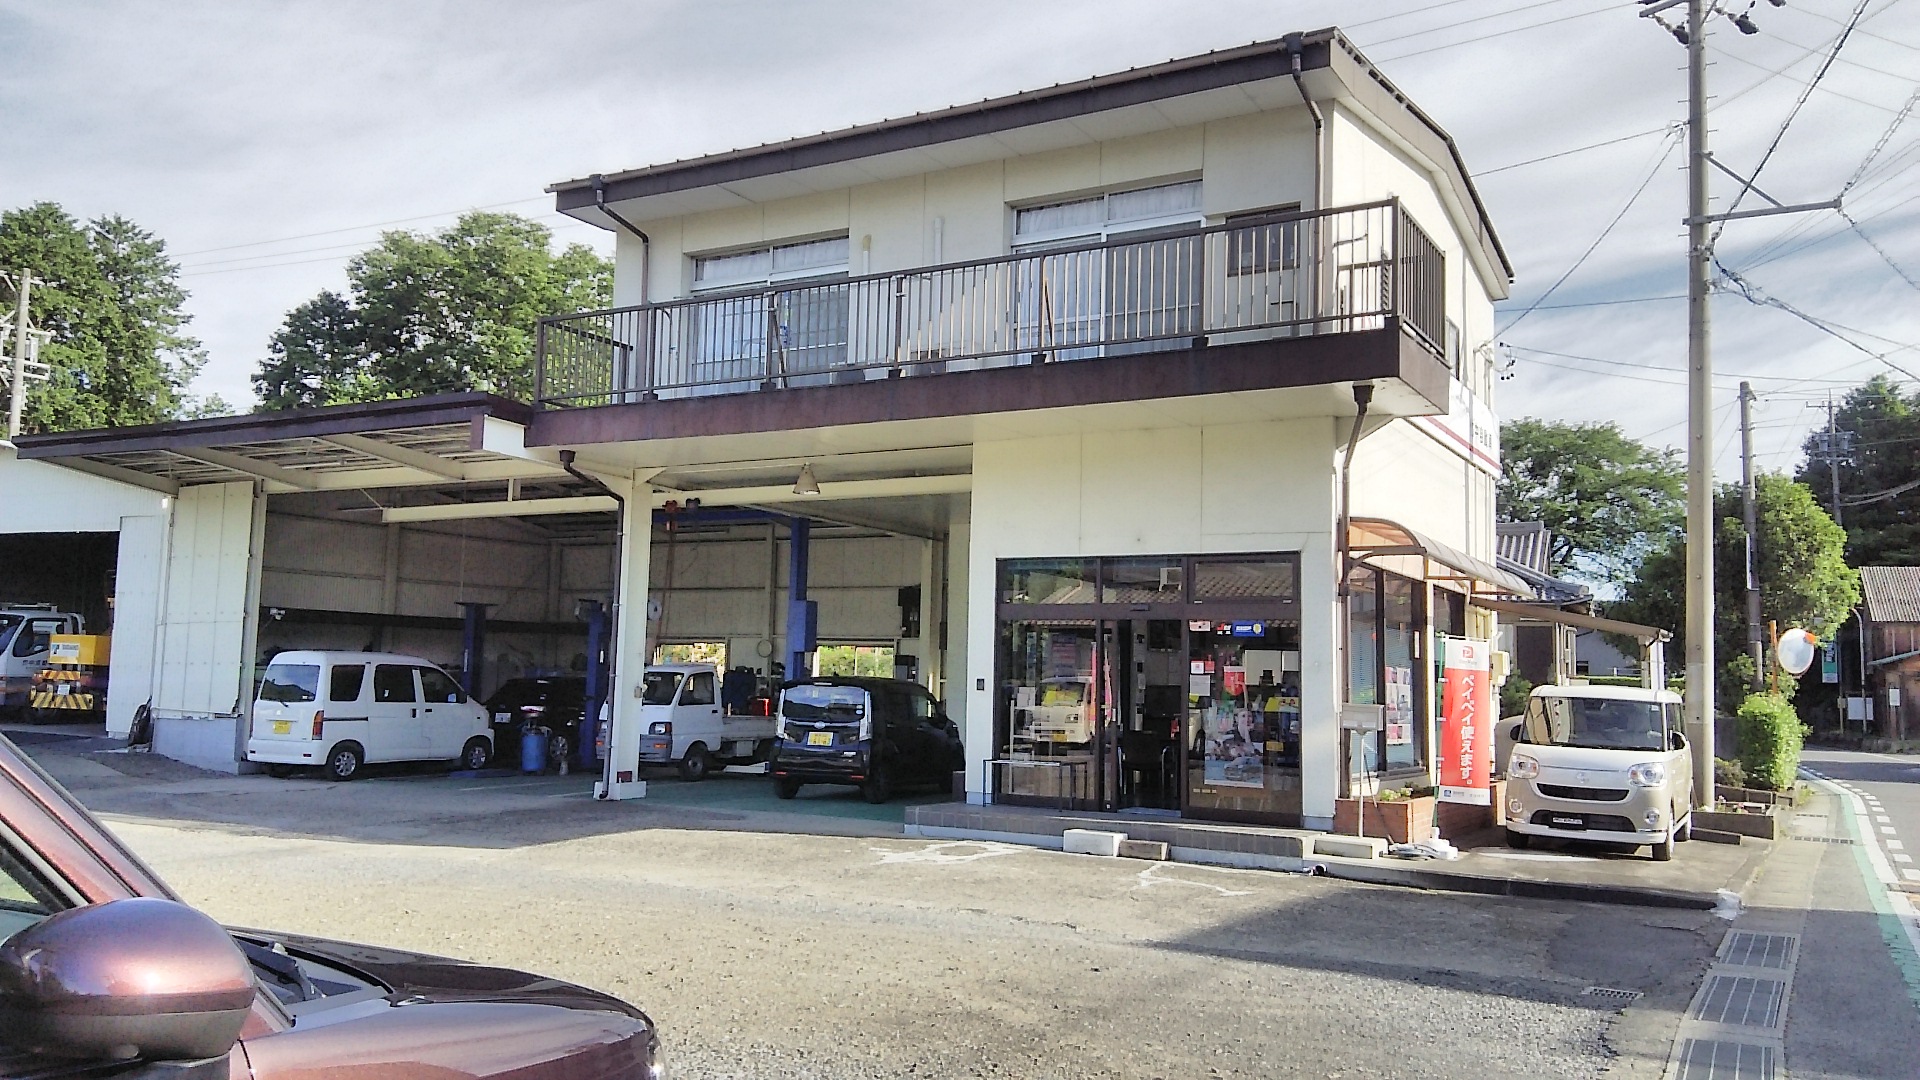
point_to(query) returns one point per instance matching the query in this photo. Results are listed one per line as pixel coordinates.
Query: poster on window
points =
(1466, 723)
(1234, 752)
(1398, 702)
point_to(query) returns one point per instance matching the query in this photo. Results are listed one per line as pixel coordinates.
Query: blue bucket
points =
(533, 750)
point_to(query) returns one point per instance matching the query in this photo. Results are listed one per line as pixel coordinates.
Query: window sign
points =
(1466, 742)
(1249, 629)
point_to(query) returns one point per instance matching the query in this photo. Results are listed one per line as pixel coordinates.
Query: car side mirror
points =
(136, 979)
(1516, 731)
(1676, 740)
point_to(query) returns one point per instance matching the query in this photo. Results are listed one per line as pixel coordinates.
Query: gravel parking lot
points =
(769, 954)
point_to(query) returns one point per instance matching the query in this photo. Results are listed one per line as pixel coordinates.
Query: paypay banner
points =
(1467, 722)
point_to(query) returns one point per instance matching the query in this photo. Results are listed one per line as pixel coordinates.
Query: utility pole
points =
(17, 385)
(1835, 447)
(1699, 700)
(1750, 513)
(1699, 629)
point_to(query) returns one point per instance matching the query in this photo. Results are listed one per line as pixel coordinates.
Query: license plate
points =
(819, 738)
(502, 718)
(283, 727)
(1561, 822)
(61, 689)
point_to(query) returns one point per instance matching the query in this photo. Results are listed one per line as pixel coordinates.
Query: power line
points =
(1497, 34)
(1575, 150)
(1666, 152)
(1755, 295)
(355, 228)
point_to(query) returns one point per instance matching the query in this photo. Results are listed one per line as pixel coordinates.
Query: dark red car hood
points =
(437, 978)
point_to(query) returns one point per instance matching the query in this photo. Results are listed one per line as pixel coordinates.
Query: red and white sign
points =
(1467, 723)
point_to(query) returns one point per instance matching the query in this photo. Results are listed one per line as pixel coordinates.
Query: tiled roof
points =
(1892, 593)
(1523, 542)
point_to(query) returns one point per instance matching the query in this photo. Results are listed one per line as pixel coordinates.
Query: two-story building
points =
(1174, 386)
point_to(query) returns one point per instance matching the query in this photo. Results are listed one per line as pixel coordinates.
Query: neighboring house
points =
(1891, 602)
(1079, 367)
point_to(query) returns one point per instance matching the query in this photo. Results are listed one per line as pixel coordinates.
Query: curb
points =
(1520, 887)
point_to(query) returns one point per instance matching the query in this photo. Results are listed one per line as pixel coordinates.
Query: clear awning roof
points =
(1368, 537)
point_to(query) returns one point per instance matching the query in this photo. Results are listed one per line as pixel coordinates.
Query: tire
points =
(558, 749)
(878, 787)
(475, 755)
(1519, 841)
(1685, 832)
(279, 772)
(697, 763)
(785, 787)
(1662, 851)
(344, 761)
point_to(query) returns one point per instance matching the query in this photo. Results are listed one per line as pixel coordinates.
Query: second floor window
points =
(770, 265)
(776, 311)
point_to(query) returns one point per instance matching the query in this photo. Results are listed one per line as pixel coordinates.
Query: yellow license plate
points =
(283, 727)
(819, 738)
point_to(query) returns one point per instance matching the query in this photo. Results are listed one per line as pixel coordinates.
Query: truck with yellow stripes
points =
(26, 644)
(73, 685)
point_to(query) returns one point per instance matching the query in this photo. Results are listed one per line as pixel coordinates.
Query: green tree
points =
(1804, 577)
(1607, 499)
(425, 314)
(111, 297)
(1885, 425)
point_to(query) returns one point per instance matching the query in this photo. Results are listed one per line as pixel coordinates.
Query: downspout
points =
(646, 267)
(1295, 49)
(613, 611)
(1362, 397)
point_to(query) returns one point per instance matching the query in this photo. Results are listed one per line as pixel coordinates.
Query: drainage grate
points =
(1715, 1059)
(1741, 1001)
(1746, 949)
(1823, 839)
(1610, 996)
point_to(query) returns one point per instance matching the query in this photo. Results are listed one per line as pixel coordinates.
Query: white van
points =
(341, 710)
(685, 725)
(1603, 763)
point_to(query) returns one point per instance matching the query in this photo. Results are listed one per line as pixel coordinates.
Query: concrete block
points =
(1091, 842)
(1348, 847)
(1155, 850)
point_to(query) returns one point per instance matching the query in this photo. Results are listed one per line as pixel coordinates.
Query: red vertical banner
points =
(1467, 722)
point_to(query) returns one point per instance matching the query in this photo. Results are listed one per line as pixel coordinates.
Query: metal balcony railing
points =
(1294, 274)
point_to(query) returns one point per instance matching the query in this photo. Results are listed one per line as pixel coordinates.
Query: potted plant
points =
(1397, 815)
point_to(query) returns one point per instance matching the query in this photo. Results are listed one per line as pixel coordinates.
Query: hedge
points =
(1770, 738)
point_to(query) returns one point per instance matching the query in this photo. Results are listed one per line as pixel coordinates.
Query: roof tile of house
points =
(1892, 593)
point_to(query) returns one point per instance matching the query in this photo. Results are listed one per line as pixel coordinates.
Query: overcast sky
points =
(266, 143)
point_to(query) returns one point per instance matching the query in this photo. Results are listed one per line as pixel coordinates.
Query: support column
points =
(473, 644)
(1322, 688)
(802, 614)
(628, 653)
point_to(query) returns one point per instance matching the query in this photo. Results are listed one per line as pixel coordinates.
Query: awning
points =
(1543, 613)
(1368, 537)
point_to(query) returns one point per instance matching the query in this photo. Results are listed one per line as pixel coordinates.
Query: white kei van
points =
(1603, 763)
(341, 710)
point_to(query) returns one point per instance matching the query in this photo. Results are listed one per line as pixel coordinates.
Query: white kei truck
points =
(683, 723)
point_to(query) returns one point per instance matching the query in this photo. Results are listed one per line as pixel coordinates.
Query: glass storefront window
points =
(1049, 581)
(1406, 735)
(1243, 717)
(1142, 581)
(1050, 712)
(1267, 579)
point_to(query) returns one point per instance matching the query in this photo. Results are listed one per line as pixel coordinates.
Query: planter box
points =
(1401, 821)
(1758, 795)
(1762, 826)
(1460, 820)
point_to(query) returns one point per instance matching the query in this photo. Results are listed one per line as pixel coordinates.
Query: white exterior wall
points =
(1226, 488)
(1247, 163)
(47, 498)
(207, 625)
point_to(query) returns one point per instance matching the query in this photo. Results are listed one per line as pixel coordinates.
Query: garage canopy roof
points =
(1368, 537)
(450, 438)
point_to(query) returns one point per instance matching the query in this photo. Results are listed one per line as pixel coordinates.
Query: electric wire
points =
(1665, 153)
(1755, 295)
(1575, 150)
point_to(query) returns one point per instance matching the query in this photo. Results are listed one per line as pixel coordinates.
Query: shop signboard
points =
(1829, 663)
(1467, 722)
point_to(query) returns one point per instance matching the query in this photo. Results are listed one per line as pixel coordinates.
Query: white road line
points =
(1902, 857)
(1886, 830)
(1911, 875)
(1901, 904)
(1894, 845)
(1882, 818)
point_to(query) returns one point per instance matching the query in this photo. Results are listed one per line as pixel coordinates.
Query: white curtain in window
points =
(1155, 202)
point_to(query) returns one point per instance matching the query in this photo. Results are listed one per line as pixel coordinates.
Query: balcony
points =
(1335, 271)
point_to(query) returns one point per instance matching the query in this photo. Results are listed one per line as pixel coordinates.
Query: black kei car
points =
(879, 735)
(554, 702)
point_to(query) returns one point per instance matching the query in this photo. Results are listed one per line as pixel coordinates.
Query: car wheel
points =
(344, 761)
(697, 763)
(1518, 840)
(1685, 832)
(279, 772)
(1663, 851)
(558, 749)
(475, 755)
(878, 787)
(785, 787)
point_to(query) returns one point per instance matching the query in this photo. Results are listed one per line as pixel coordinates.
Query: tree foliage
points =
(1804, 578)
(111, 297)
(1606, 498)
(425, 314)
(1886, 455)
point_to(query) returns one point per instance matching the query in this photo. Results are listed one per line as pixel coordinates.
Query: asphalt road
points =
(768, 954)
